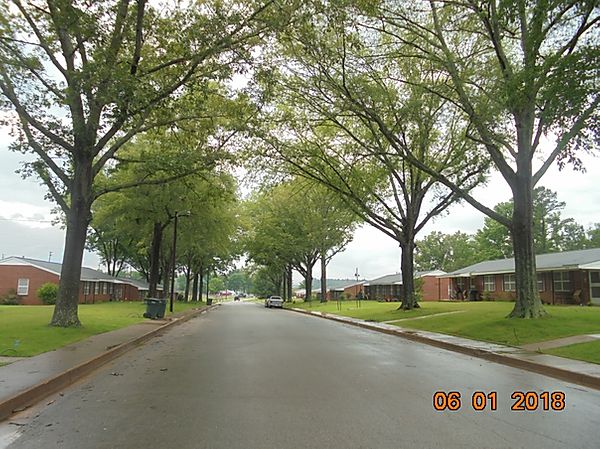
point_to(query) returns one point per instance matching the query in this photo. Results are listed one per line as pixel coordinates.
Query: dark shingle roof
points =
(397, 278)
(87, 274)
(585, 258)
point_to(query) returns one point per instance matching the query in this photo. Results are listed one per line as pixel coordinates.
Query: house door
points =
(595, 287)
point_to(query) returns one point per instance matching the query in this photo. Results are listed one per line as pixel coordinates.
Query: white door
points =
(595, 287)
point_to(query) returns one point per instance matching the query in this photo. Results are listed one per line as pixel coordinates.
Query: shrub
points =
(48, 293)
(10, 299)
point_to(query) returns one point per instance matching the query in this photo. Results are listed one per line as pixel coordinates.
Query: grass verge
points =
(484, 321)
(24, 330)
(589, 352)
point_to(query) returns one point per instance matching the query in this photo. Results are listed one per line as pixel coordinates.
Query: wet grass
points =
(589, 352)
(24, 330)
(487, 321)
(484, 321)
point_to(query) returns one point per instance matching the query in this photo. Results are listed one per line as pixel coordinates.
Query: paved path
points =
(248, 377)
(423, 317)
(559, 342)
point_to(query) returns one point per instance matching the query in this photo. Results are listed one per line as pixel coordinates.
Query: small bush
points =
(10, 299)
(48, 293)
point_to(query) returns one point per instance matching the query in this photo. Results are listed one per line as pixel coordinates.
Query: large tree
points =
(296, 223)
(83, 78)
(551, 231)
(524, 73)
(326, 83)
(447, 252)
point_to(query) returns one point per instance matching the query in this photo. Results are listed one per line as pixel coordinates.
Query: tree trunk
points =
(78, 219)
(65, 310)
(201, 281)
(408, 281)
(188, 275)
(308, 278)
(289, 282)
(528, 303)
(195, 287)
(208, 300)
(155, 259)
(323, 278)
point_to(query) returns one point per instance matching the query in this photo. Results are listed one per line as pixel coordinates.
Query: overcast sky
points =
(25, 216)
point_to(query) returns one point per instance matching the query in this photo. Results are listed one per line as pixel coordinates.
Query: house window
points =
(23, 287)
(562, 281)
(460, 284)
(86, 288)
(489, 283)
(509, 282)
(540, 282)
(96, 288)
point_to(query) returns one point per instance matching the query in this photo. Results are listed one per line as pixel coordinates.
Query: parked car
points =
(274, 301)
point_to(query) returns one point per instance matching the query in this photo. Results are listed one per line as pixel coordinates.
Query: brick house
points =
(389, 287)
(570, 277)
(25, 276)
(350, 290)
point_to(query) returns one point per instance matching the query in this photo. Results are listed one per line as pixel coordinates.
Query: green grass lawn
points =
(375, 311)
(487, 321)
(590, 352)
(484, 321)
(24, 330)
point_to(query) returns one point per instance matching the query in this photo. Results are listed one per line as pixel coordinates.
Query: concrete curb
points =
(31, 396)
(551, 371)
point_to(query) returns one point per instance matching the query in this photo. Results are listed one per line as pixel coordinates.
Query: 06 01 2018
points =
(480, 400)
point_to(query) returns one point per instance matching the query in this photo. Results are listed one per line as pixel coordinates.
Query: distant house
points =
(25, 276)
(570, 277)
(338, 287)
(390, 288)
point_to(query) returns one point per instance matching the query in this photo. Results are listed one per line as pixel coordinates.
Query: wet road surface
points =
(248, 377)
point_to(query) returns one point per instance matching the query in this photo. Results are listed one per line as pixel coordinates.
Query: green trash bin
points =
(155, 308)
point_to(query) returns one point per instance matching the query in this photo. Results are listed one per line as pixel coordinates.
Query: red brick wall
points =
(10, 275)
(352, 291)
(579, 281)
(435, 288)
(130, 293)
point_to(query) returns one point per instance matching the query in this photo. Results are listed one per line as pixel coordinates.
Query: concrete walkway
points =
(423, 317)
(27, 380)
(550, 344)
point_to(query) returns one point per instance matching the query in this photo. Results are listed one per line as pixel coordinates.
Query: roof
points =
(396, 279)
(87, 274)
(139, 283)
(344, 287)
(585, 259)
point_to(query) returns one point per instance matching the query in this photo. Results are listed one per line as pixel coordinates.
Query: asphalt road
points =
(247, 377)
